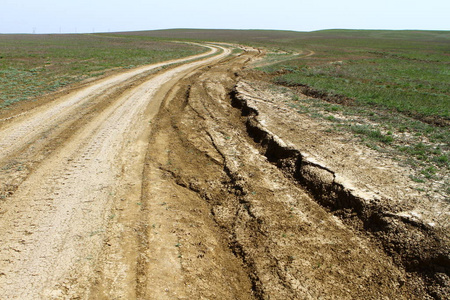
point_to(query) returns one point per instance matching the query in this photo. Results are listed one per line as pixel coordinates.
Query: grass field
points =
(31, 65)
(410, 75)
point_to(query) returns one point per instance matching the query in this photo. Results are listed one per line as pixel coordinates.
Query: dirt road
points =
(148, 186)
(52, 227)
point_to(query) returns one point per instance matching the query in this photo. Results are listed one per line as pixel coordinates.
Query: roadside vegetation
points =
(32, 65)
(411, 77)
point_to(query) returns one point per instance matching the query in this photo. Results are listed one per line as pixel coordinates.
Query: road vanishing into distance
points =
(146, 185)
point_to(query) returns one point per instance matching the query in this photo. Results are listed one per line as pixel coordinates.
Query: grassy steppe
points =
(410, 75)
(31, 65)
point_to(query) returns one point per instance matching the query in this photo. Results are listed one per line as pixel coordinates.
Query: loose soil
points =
(175, 185)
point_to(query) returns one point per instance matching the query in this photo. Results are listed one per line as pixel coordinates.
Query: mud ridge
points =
(412, 244)
(236, 187)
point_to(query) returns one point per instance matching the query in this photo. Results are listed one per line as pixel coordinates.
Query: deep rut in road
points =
(172, 199)
(54, 219)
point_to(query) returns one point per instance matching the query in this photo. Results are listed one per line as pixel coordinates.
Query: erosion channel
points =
(152, 185)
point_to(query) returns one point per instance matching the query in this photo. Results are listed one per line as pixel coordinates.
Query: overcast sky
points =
(85, 16)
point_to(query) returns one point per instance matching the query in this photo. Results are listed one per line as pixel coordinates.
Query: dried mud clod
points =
(414, 245)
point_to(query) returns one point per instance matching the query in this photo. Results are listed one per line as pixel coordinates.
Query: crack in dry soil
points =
(285, 246)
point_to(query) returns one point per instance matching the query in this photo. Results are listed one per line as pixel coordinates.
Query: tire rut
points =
(24, 145)
(54, 226)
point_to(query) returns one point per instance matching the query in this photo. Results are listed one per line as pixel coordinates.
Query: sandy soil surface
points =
(169, 185)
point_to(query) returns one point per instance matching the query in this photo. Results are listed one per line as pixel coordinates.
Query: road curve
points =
(18, 134)
(52, 227)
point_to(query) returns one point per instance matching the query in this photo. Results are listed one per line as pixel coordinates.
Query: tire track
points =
(29, 126)
(56, 222)
(23, 144)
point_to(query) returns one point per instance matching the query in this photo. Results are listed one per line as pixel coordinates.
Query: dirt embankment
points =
(363, 201)
(167, 191)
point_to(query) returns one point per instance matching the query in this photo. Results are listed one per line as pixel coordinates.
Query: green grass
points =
(414, 87)
(374, 134)
(31, 65)
(409, 75)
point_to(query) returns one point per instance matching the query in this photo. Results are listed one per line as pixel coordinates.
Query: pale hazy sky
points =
(84, 16)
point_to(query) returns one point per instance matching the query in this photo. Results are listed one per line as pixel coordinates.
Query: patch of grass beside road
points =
(31, 65)
(409, 74)
(417, 88)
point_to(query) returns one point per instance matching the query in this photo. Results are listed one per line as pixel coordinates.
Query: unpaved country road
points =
(52, 228)
(148, 186)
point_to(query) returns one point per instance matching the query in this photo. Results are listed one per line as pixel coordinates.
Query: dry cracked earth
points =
(185, 182)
